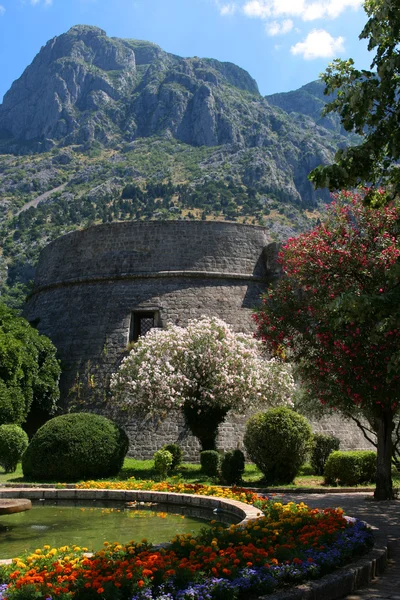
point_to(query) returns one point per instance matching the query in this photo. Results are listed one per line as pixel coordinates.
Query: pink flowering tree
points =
(205, 369)
(326, 316)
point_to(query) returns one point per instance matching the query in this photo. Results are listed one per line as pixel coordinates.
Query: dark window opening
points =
(141, 323)
(35, 322)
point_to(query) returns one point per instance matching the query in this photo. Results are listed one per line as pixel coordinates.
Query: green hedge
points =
(350, 468)
(75, 446)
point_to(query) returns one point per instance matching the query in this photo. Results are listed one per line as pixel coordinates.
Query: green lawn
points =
(190, 473)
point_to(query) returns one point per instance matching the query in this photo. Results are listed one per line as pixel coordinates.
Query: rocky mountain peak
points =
(85, 86)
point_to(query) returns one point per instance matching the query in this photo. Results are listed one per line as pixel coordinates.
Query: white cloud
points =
(276, 28)
(45, 2)
(227, 9)
(258, 9)
(307, 10)
(316, 10)
(319, 44)
(2, 10)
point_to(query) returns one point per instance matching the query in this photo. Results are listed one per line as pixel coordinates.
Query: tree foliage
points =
(205, 369)
(343, 359)
(29, 369)
(368, 103)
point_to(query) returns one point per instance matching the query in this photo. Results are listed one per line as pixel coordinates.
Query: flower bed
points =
(290, 544)
(233, 493)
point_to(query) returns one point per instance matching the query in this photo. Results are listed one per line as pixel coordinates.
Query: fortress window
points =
(141, 323)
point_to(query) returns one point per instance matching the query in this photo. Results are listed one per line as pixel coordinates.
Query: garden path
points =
(385, 517)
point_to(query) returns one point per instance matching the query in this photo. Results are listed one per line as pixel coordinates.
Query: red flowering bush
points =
(325, 316)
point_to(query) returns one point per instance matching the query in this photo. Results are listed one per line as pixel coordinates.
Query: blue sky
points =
(283, 44)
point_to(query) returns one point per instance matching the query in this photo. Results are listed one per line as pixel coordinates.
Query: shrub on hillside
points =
(277, 441)
(177, 454)
(75, 446)
(322, 446)
(350, 468)
(13, 443)
(210, 461)
(232, 467)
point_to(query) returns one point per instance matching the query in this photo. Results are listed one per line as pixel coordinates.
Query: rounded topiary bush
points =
(13, 443)
(278, 441)
(162, 462)
(177, 454)
(210, 461)
(232, 467)
(75, 446)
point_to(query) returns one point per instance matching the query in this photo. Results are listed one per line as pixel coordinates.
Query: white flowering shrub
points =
(206, 368)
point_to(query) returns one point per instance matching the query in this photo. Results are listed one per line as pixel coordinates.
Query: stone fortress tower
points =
(98, 289)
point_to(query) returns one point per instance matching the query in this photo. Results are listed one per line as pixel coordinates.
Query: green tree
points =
(368, 103)
(343, 362)
(29, 369)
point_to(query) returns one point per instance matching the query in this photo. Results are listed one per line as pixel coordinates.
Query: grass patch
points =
(191, 473)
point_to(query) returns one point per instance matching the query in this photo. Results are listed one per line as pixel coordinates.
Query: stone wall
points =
(147, 437)
(91, 283)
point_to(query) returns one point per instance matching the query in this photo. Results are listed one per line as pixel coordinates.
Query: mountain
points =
(310, 100)
(85, 86)
(98, 129)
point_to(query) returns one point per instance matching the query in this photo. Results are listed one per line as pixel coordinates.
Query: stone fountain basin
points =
(14, 505)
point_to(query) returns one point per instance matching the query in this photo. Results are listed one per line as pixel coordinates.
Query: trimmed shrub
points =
(232, 467)
(177, 454)
(75, 446)
(162, 462)
(350, 468)
(13, 443)
(278, 441)
(210, 461)
(322, 446)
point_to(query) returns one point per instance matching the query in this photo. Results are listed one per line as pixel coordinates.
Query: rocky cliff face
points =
(73, 84)
(85, 86)
(310, 100)
(88, 91)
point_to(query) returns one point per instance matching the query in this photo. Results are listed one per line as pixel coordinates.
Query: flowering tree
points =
(343, 358)
(205, 369)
